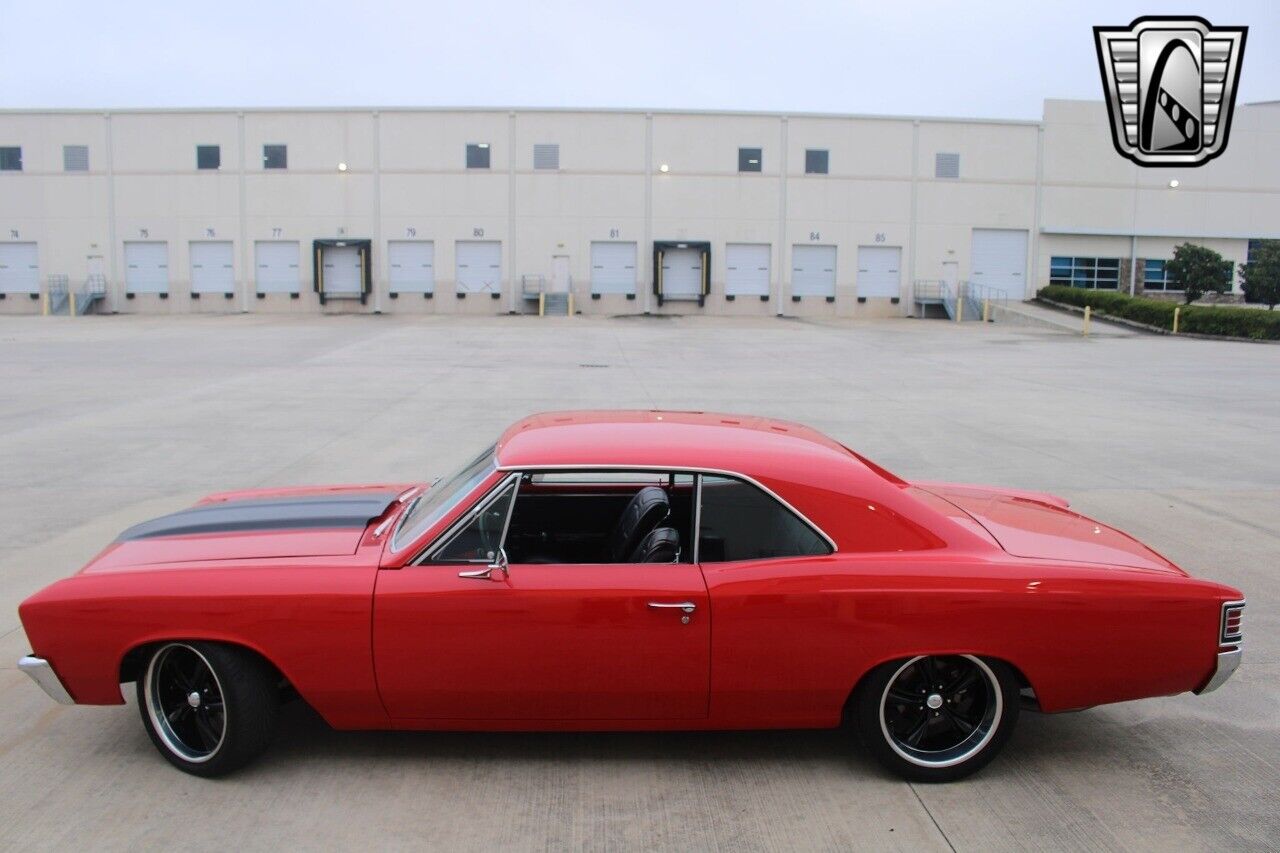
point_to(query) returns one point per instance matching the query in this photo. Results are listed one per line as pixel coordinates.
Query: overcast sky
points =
(890, 56)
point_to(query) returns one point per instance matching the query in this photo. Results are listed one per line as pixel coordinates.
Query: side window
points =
(740, 522)
(478, 540)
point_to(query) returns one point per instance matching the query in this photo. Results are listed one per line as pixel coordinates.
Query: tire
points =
(927, 733)
(208, 708)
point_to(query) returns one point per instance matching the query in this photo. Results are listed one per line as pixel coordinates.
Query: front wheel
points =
(208, 708)
(936, 718)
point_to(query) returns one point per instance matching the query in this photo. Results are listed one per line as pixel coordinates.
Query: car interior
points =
(618, 518)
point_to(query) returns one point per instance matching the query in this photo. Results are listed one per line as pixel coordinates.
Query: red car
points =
(631, 570)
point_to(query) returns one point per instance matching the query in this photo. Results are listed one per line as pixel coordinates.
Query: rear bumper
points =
(41, 672)
(1227, 663)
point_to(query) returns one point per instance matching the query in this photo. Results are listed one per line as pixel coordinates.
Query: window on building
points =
(208, 156)
(1156, 277)
(749, 159)
(816, 161)
(1094, 273)
(546, 155)
(75, 158)
(478, 155)
(946, 165)
(1254, 246)
(740, 522)
(10, 159)
(275, 156)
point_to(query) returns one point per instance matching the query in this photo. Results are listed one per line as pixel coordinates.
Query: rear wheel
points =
(936, 718)
(209, 709)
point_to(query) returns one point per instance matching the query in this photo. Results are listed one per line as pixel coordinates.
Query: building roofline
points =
(1260, 234)
(106, 111)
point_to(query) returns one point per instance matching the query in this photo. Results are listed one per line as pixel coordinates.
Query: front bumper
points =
(41, 672)
(1227, 663)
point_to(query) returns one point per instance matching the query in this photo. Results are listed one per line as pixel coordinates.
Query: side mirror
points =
(499, 563)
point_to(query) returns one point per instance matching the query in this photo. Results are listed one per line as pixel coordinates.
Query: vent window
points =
(275, 156)
(478, 155)
(749, 159)
(11, 159)
(546, 155)
(208, 156)
(816, 161)
(946, 165)
(75, 158)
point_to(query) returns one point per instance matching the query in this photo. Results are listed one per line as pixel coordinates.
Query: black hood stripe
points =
(294, 513)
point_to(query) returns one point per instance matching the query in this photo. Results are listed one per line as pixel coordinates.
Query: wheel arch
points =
(1026, 688)
(133, 662)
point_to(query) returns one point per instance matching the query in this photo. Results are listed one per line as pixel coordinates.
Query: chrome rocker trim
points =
(1227, 663)
(41, 672)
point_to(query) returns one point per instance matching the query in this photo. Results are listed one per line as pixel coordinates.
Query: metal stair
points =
(556, 305)
(62, 300)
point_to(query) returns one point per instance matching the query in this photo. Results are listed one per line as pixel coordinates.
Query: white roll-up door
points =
(746, 269)
(146, 267)
(212, 267)
(342, 273)
(411, 266)
(813, 270)
(276, 266)
(479, 266)
(878, 271)
(613, 267)
(681, 273)
(999, 260)
(19, 268)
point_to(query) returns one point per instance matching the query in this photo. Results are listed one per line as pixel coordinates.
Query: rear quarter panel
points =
(790, 639)
(310, 620)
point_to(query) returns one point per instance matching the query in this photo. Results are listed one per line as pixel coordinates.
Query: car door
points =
(458, 636)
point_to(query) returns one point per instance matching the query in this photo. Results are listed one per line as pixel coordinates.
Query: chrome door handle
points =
(686, 606)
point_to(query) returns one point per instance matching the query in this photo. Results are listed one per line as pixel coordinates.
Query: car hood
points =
(298, 522)
(1036, 525)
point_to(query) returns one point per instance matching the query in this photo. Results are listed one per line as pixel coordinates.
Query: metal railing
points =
(531, 285)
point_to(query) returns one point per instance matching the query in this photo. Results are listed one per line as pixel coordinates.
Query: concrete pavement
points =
(108, 421)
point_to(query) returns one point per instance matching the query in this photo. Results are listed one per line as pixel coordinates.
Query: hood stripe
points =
(294, 513)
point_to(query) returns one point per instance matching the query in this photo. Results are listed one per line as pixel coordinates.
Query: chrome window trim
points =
(684, 469)
(444, 539)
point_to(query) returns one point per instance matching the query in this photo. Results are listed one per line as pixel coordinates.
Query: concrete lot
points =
(107, 421)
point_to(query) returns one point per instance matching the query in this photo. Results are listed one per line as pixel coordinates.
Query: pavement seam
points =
(936, 825)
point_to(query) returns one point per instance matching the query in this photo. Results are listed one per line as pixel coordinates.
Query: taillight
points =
(1232, 623)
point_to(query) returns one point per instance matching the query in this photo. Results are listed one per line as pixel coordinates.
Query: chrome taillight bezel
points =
(1231, 636)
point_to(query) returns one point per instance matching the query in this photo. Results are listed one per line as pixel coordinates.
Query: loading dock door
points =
(212, 267)
(412, 266)
(813, 271)
(146, 267)
(479, 266)
(681, 274)
(276, 266)
(998, 259)
(342, 270)
(878, 271)
(19, 268)
(613, 268)
(746, 269)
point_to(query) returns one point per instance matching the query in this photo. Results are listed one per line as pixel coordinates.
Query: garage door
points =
(681, 274)
(412, 266)
(212, 267)
(276, 266)
(479, 264)
(813, 271)
(146, 267)
(746, 269)
(613, 267)
(878, 271)
(19, 268)
(341, 270)
(999, 260)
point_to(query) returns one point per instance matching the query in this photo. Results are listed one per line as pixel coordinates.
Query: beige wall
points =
(405, 177)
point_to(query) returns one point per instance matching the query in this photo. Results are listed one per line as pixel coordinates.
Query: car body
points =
(791, 570)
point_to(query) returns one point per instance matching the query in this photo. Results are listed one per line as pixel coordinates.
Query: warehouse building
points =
(496, 211)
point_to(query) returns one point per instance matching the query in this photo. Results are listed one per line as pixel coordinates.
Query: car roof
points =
(745, 444)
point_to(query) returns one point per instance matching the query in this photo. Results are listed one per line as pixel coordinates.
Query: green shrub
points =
(1225, 322)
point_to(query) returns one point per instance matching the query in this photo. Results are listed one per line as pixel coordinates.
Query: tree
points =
(1260, 279)
(1198, 270)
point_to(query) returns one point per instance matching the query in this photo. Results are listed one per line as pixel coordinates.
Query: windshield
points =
(433, 504)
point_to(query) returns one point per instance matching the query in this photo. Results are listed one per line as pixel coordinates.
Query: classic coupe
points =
(631, 571)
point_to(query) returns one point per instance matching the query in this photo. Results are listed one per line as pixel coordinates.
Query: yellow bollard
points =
(44, 304)
(71, 302)
(571, 304)
(959, 309)
(986, 310)
(542, 304)
(1088, 312)
(1177, 314)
